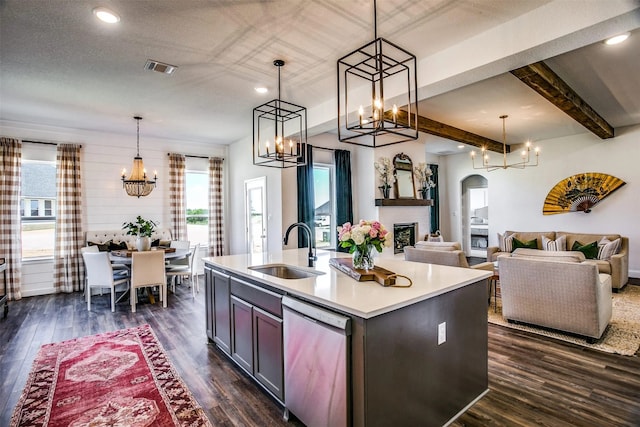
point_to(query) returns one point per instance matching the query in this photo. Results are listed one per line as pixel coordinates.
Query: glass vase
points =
(363, 257)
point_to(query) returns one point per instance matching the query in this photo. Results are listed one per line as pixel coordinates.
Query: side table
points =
(4, 297)
(493, 283)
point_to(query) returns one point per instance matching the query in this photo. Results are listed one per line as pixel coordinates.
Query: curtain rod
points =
(42, 142)
(197, 157)
(324, 148)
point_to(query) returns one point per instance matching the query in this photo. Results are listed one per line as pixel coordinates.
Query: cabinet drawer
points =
(265, 299)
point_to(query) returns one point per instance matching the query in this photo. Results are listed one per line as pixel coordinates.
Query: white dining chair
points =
(189, 270)
(147, 270)
(179, 264)
(100, 274)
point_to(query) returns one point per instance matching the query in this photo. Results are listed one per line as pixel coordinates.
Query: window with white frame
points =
(323, 187)
(37, 208)
(197, 205)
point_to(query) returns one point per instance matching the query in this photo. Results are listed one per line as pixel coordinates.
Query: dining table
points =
(125, 258)
(116, 258)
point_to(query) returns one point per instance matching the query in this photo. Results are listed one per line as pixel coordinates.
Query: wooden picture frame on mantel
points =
(403, 171)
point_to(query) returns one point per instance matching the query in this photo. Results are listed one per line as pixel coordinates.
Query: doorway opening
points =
(255, 208)
(475, 215)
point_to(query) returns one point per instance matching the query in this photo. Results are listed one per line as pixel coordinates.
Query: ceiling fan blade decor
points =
(579, 193)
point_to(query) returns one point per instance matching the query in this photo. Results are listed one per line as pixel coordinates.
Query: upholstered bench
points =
(113, 239)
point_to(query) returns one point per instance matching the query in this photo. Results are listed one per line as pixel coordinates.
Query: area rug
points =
(621, 337)
(120, 378)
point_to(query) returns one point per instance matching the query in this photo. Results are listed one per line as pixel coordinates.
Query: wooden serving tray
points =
(377, 274)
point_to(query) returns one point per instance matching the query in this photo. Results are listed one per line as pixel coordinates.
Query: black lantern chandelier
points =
(279, 132)
(366, 76)
(138, 185)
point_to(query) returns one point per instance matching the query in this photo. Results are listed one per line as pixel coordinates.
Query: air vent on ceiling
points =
(160, 67)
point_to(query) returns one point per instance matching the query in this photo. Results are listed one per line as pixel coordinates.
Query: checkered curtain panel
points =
(68, 268)
(10, 234)
(216, 224)
(177, 202)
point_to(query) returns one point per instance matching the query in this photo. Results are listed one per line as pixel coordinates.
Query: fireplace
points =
(404, 235)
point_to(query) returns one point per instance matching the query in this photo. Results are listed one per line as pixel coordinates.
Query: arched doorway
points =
(475, 215)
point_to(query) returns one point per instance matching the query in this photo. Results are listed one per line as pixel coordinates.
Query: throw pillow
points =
(102, 247)
(590, 250)
(608, 248)
(560, 244)
(531, 244)
(117, 246)
(505, 242)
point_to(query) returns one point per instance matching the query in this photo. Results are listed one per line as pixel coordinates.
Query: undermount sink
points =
(284, 271)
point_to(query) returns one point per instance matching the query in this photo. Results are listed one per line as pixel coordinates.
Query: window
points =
(37, 208)
(323, 179)
(197, 204)
(34, 208)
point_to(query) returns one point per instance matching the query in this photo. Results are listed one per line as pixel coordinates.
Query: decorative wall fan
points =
(580, 192)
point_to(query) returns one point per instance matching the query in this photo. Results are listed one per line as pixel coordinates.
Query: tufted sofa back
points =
(116, 236)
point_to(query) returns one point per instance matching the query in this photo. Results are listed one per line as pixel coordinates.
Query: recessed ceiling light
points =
(461, 146)
(617, 39)
(105, 15)
(261, 89)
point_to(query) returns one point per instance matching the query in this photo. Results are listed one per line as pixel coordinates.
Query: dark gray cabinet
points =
(245, 320)
(242, 333)
(268, 351)
(217, 296)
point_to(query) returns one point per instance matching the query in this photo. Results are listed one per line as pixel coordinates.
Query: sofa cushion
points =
(603, 266)
(538, 254)
(607, 248)
(117, 246)
(584, 237)
(505, 242)
(590, 250)
(102, 247)
(439, 246)
(531, 244)
(525, 236)
(560, 244)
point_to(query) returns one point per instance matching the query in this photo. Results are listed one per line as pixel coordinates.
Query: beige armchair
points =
(451, 257)
(567, 296)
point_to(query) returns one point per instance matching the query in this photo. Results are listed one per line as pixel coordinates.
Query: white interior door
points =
(255, 208)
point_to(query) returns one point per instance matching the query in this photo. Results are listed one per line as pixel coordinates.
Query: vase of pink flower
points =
(362, 240)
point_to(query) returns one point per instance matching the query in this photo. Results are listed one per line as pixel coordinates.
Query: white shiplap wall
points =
(105, 204)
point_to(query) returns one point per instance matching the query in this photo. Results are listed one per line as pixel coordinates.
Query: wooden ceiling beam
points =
(542, 79)
(442, 130)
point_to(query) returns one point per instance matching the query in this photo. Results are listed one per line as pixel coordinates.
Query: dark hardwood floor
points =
(533, 380)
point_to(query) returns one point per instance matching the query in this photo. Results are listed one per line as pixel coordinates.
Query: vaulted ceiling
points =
(61, 67)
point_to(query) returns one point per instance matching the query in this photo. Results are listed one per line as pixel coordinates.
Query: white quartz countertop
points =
(337, 290)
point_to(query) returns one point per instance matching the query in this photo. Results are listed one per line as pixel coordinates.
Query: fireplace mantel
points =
(404, 202)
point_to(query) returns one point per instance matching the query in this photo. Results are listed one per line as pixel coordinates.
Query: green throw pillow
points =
(531, 244)
(589, 250)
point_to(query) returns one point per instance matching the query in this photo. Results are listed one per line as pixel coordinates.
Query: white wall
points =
(106, 205)
(516, 197)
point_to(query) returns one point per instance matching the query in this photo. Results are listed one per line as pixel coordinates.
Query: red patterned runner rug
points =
(120, 378)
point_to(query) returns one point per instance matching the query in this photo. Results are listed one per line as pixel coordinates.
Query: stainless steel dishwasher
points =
(316, 364)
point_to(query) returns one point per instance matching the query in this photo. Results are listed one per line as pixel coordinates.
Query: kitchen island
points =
(417, 355)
